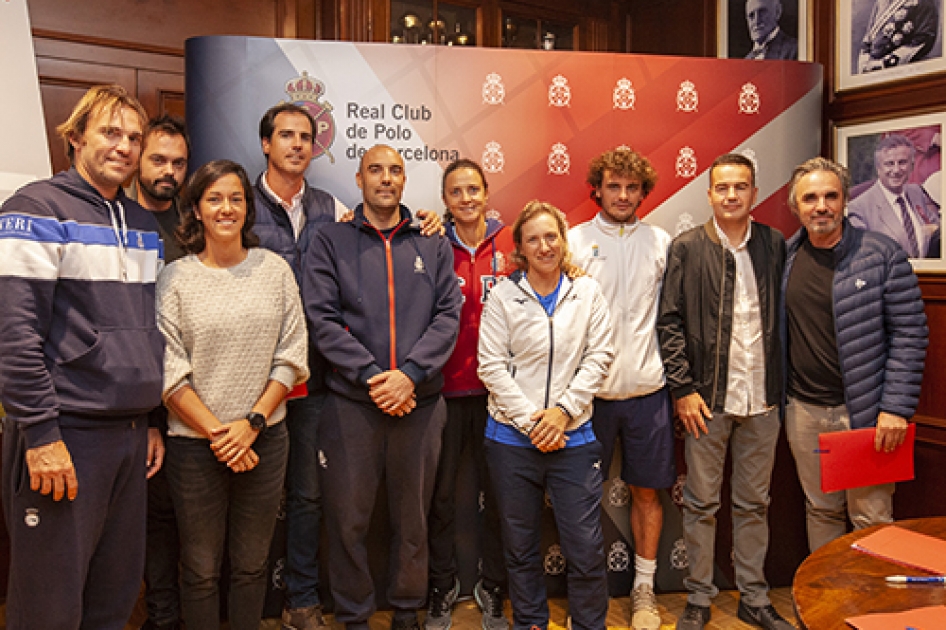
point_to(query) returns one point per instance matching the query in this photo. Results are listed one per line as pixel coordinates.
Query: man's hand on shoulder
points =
(431, 224)
(51, 470)
(891, 431)
(693, 412)
(392, 392)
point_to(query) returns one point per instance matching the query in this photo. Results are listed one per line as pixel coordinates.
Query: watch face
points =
(257, 421)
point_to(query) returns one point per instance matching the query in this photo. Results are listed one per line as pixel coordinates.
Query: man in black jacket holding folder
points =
(855, 337)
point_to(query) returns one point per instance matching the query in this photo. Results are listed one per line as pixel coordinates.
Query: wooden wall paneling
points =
(593, 34)
(61, 84)
(161, 92)
(674, 27)
(167, 23)
(933, 394)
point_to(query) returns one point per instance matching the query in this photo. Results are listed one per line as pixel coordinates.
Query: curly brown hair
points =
(623, 163)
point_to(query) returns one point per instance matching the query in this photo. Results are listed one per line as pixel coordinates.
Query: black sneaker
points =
(694, 617)
(439, 606)
(763, 617)
(405, 623)
(490, 601)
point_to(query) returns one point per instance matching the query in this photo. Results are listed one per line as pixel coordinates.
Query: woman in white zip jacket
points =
(544, 350)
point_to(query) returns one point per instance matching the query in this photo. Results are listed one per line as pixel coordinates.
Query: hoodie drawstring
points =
(121, 235)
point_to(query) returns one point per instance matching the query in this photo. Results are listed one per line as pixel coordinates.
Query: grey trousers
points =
(752, 440)
(826, 513)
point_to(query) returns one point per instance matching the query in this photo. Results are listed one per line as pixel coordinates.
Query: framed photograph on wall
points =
(763, 29)
(897, 183)
(885, 40)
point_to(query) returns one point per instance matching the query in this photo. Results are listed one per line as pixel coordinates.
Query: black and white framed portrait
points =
(883, 40)
(763, 29)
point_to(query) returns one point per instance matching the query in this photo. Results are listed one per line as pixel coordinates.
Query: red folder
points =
(848, 460)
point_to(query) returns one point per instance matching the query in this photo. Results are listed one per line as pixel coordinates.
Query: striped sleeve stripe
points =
(46, 249)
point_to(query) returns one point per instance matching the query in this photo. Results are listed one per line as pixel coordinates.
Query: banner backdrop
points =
(534, 120)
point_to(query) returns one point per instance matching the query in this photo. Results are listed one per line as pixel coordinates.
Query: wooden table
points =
(837, 581)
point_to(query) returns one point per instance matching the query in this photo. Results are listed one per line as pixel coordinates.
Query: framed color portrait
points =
(897, 182)
(885, 40)
(763, 29)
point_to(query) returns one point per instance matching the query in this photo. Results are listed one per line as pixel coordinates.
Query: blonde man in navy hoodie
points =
(81, 368)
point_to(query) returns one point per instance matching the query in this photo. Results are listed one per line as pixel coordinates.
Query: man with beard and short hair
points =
(161, 173)
(856, 336)
(81, 369)
(162, 170)
(893, 206)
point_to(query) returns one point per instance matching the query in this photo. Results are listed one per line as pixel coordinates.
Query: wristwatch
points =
(257, 421)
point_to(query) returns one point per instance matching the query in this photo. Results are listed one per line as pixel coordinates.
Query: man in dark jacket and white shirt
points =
(718, 323)
(856, 344)
(383, 305)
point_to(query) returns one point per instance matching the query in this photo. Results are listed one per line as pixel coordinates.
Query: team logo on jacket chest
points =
(306, 91)
(419, 265)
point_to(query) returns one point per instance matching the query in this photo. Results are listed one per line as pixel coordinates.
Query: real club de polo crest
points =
(493, 89)
(624, 96)
(686, 163)
(559, 161)
(493, 159)
(560, 95)
(306, 92)
(749, 99)
(687, 97)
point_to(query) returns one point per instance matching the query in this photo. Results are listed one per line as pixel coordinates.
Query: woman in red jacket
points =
(481, 255)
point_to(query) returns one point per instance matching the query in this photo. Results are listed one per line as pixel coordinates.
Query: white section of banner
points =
(690, 206)
(335, 66)
(24, 153)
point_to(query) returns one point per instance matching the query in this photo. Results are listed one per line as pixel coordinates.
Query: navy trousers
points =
(78, 564)
(572, 477)
(361, 448)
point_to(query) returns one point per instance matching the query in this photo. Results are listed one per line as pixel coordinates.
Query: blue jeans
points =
(572, 477)
(210, 502)
(303, 502)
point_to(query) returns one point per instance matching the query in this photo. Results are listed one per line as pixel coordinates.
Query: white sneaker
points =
(644, 613)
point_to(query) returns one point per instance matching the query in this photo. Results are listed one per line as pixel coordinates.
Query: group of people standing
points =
(296, 343)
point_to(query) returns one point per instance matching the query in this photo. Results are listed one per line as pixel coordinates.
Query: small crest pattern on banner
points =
(676, 493)
(622, 147)
(749, 154)
(559, 161)
(624, 95)
(687, 97)
(554, 560)
(678, 555)
(493, 213)
(560, 95)
(618, 495)
(305, 91)
(684, 223)
(279, 567)
(686, 163)
(494, 92)
(618, 558)
(493, 159)
(749, 99)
